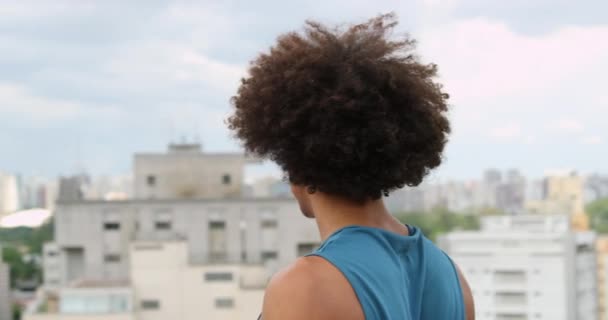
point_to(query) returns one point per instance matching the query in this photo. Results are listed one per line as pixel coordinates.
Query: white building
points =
(9, 194)
(528, 267)
(164, 285)
(168, 286)
(5, 301)
(84, 301)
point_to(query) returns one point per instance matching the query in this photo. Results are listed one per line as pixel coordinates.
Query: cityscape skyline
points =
(115, 85)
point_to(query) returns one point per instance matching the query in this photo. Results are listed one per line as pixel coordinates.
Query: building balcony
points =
(84, 300)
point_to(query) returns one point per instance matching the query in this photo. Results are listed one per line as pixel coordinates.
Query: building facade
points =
(92, 238)
(602, 276)
(5, 299)
(528, 267)
(168, 286)
(9, 194)
(164, 284)
(185, 172)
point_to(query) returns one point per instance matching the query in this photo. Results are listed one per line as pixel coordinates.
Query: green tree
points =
(439, 221)
(598, 215)
(20, 241)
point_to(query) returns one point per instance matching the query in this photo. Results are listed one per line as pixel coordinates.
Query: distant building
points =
(596, 187)
(564, 195)
(111, 188)
(602, 276)
(9, 194)
(406, 200)
(164, 284)
(186, 291)
(492, 177)
(72, 188)
(528, 267)
(92, 237)
(5, 299)
(510, 194)
(84, 301)
(185, 172)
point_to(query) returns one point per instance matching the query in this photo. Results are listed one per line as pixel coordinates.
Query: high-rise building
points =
(510, 194)
(9, 194)
(562, 194)
(602, 276)
(596, 187)
(528, 267)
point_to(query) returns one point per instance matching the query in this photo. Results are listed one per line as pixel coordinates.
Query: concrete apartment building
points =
(187, 225)
(5, 300)
(602, 276)
(528, 267)
(92, 238)
(185, 172)
(168, 286)
(164, 284)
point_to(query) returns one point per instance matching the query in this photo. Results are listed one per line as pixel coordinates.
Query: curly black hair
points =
(345, 111)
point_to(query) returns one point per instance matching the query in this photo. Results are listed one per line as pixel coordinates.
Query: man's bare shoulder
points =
(310, 288)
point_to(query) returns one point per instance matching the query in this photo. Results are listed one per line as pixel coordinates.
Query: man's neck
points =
(333, 213)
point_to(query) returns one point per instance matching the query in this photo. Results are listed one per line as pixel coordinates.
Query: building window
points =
(269, 255)
(306, 248)
(510, 277)
(151, 180)
(218, 276)
(111, 258)
(148, 247)
(150, 304)
(51, 253)
(226, 179)
(269, 224)
(163, 218)
(163, 225)
(516, 299)
(217, 241)
(111, 226)
(224, 303)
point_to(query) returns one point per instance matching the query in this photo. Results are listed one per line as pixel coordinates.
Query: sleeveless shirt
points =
(396, 277)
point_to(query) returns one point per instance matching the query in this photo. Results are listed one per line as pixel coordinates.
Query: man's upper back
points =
(369, 273)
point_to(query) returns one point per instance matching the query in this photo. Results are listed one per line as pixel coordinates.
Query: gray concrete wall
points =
(5, 300)
(188, 175)
(81, 225)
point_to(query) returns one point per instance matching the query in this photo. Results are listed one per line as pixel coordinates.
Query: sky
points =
(85, 84)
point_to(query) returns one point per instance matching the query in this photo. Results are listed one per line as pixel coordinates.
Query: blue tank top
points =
(396, 277)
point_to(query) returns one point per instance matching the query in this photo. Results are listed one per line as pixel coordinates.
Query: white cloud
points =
(592, 140)
(481, 59)
(18, 100)
(160, 64)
